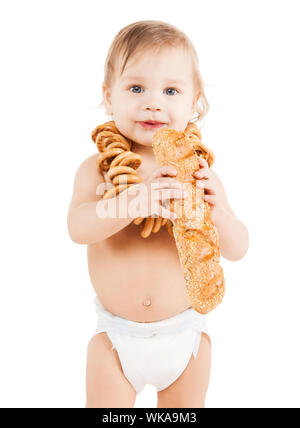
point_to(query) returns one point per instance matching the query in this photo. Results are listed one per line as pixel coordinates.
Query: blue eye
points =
(172, 89)
(135, 86)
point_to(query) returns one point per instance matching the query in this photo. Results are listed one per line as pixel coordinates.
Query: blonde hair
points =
(153, 35)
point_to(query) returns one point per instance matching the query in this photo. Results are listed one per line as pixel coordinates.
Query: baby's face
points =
(153, 87)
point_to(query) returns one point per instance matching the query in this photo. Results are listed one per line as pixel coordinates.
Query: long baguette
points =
(195, 235)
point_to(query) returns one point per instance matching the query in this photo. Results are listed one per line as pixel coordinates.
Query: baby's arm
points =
(84, 226)
(233, 234)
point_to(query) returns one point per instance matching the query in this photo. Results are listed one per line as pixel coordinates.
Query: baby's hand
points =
(158, 189)
(214, 190)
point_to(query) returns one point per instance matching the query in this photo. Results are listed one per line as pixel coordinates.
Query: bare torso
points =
(137, 278)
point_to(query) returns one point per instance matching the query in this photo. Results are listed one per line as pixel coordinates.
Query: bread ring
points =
(138, 220)
(193, 132)
(118, 145)
(114, 191)
(147, 227)
(130, 162)
(169, 227)
(108, 126)
(106, 137)
(157, 224)
(133, 160)
(127, 178)
(103, 158)
(164, 221)
(120, 170)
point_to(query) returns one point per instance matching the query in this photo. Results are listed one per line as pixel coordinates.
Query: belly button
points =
(147, 302)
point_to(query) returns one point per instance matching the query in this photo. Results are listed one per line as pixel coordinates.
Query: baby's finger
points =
(211, 199)
(163, 171)
(164, 182)
(203, 163)
(202, 173)
(204, 184)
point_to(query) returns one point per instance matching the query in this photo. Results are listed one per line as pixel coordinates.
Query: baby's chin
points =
(143, 142)
(143, 138)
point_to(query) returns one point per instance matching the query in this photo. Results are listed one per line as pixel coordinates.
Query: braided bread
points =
(121, 164)
(195, 235)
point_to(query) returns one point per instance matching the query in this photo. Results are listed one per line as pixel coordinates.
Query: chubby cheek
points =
(123, 125)
(178, 120)
(127, 126)
(179, 124)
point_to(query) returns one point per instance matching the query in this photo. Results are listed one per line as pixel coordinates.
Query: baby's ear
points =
(194, 104)
(107, 98)
(196, 98)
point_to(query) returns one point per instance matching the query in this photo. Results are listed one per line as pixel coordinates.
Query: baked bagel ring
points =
(105, 138)
(114, 191)
(169, 227)
(157, 224)
(119, 145)
(149, 223)
(108, 126)
(133, 160)
(104, 157)
(126, 178)
(164, 221)
(120, 170)
(138, 220)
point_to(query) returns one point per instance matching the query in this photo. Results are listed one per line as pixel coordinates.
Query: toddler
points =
(147, 332)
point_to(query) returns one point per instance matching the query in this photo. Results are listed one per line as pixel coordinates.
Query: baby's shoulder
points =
(89, 169)
(86, 182)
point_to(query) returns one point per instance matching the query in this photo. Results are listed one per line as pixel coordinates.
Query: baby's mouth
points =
(152, 124)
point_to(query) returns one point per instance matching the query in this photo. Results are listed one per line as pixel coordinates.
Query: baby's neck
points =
(144, 151)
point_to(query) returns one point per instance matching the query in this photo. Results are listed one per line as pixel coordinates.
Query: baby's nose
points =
(152, 107)
(152, 102)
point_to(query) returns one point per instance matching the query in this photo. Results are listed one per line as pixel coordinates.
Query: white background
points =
(53, 55)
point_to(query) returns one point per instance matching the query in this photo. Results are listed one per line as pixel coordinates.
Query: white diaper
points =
(153, 353)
